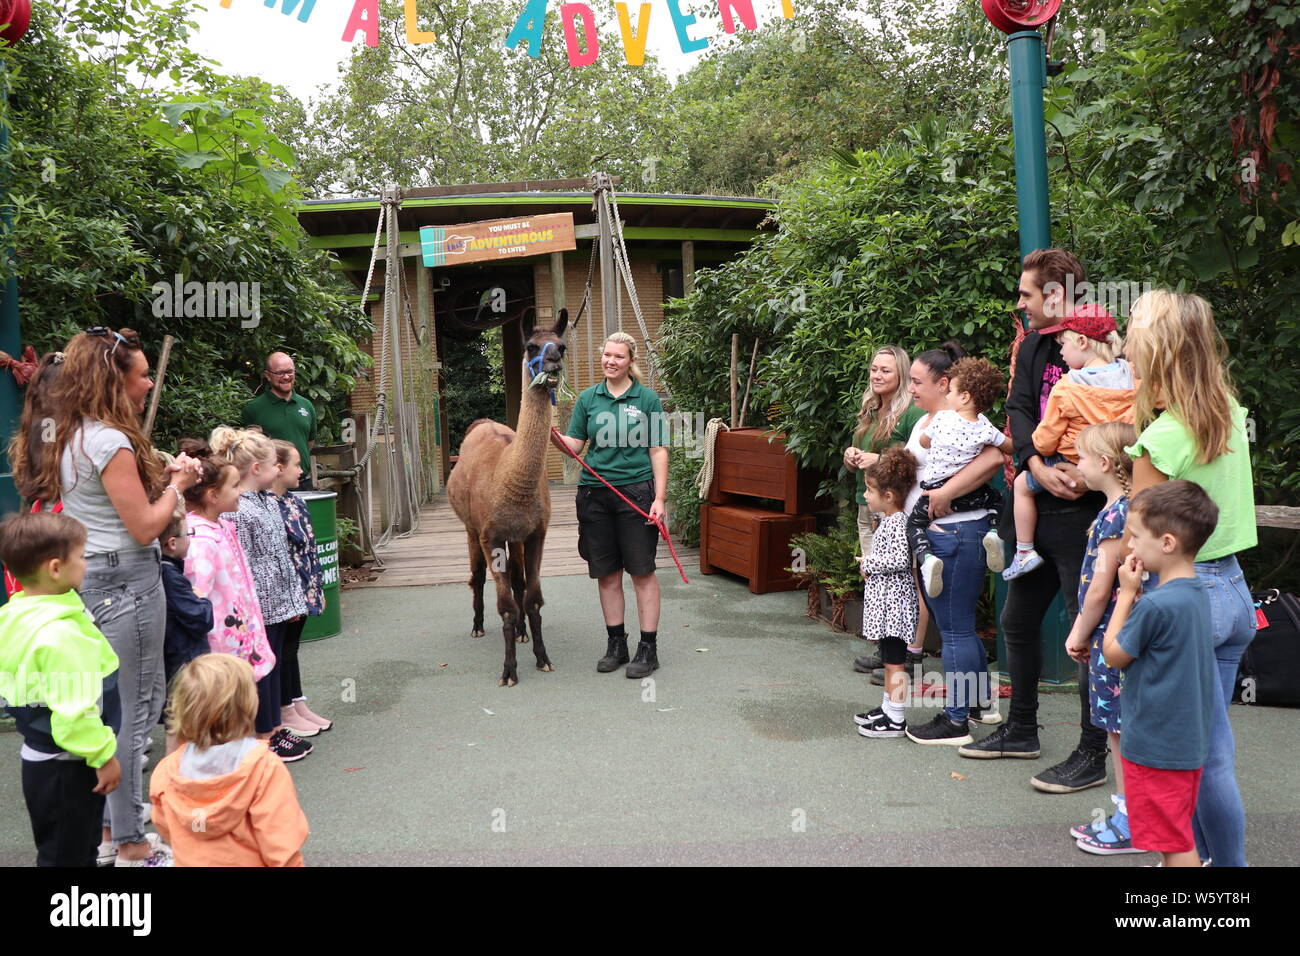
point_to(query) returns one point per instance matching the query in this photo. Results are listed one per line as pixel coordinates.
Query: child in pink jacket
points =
(217, 568)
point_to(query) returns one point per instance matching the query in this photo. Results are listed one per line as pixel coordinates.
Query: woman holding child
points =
(1191, 426)
(957, 539)
(109, 477)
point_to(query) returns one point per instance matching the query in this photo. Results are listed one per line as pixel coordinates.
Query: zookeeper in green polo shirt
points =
(282, 414)
(622, 423)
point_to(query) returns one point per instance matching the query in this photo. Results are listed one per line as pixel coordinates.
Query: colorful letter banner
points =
(496, 239)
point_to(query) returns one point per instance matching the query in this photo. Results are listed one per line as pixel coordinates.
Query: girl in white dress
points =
(889, 598)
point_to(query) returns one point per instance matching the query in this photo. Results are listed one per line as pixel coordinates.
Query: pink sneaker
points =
(305, 713)
(290, 718)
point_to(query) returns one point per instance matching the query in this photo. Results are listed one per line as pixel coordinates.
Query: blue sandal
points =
(1113, 840)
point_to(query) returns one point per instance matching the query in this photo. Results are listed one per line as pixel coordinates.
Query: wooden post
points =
(735, 356)
(744, 406)
(608, 288)
(557, 283)
(400, 510)
(163, 358)
(688, 266)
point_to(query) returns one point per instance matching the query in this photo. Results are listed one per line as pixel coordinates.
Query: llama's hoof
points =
(546, 668)
(523, 638)
(477, 633)
(506, 683)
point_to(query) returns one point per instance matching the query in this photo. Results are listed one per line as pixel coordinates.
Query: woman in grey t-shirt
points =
(109, 477)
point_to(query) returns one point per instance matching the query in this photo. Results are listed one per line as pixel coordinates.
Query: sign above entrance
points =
(497, 239)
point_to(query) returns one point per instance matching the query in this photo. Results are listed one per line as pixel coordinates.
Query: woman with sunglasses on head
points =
(103, 467)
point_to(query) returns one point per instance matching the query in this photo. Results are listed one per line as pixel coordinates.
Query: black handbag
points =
(1270, 668)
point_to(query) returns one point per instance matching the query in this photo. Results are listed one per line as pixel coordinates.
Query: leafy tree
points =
(466, 109)
(117, 188)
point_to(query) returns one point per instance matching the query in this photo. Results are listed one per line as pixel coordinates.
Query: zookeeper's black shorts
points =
(611, 536)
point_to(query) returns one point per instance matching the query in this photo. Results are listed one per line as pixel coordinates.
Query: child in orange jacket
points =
(1099, 387)
(223, 798)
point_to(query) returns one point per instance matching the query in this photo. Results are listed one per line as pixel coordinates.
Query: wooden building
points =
(667, 237)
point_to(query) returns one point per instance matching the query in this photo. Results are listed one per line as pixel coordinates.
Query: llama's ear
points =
(561, 325)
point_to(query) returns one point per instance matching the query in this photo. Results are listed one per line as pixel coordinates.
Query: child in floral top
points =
(216, 567)
(1107, 468)
(262, 537)
(295, 713)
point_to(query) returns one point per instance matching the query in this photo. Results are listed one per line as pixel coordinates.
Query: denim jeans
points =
(124, 593)
(965, 665)
(1220, 820)
(1061, 540)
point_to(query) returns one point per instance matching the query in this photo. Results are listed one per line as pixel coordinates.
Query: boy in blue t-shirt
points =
(1163, 643)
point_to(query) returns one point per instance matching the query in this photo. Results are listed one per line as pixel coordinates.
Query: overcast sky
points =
(250, 38)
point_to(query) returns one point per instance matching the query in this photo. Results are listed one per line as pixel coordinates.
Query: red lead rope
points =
(658, 523)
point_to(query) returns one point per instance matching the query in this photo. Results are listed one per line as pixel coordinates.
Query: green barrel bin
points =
(321, 507)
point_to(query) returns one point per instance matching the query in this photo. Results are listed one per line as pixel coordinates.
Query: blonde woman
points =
(1190, 426)
(885, 420)
(622, 424)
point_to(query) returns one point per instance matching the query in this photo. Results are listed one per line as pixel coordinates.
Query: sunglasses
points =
(101, 330)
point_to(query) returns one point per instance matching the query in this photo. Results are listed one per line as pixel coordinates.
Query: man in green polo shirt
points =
(282, 414)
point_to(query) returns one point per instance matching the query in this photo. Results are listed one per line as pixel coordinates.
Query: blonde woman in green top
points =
(1191, 426)
(885, 419)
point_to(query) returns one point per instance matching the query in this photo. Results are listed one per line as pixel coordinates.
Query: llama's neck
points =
(525, 459)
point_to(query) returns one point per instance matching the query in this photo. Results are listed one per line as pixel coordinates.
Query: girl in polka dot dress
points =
(889, 597)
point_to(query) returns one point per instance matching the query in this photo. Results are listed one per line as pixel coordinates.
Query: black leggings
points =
(268, 688)
(893, 650)
(290, 675)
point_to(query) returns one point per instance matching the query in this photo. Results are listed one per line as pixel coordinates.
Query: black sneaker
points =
(940, 730)
(863, 719)
(646, 661)
(288, 746)
(615, 655)
(985, 715)
(867, 663)
(1007, 741)
(883, 727)
(1079, 771)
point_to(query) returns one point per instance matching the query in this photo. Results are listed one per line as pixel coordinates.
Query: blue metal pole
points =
(1028, 79)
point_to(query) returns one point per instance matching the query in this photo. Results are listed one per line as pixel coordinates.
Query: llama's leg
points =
(517, 585)
(532, 603)
(477, 573)
(508, 610)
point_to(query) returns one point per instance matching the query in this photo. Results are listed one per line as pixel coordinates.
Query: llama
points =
(498, 489)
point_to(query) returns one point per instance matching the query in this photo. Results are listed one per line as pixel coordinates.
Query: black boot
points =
(615, 655)
(646, 661)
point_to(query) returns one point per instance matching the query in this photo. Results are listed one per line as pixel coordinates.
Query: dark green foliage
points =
(117, 188)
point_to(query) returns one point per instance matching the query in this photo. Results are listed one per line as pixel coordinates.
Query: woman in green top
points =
(885, 419)
(1190, 426)
(622, 423)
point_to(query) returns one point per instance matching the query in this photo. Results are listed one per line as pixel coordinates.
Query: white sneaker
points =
(932, 575)
(997, 559)
(108, 851)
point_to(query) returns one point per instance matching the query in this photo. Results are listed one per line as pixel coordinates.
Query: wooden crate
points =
(752, 543)
(747, 463)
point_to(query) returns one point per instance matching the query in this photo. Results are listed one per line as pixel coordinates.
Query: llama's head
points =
(544, 353)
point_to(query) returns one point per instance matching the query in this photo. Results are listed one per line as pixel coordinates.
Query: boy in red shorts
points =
(1164, 644)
